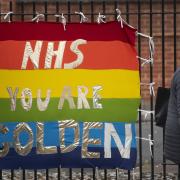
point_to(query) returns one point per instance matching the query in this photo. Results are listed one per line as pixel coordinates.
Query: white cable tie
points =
(83, 17)
(100, 18)
(7, 15)
(119, 18)
(63, 20)
(151, 87)
(146, 61)
(145, 139)
(97, 173)
(151, 142)
(151, 43)
(143, 35)
(151, 47)
(37, 17)
(146, 112)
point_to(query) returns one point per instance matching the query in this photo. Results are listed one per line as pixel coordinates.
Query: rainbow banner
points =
(68, 98)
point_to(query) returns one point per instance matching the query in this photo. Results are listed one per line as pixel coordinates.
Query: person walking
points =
(172, 128)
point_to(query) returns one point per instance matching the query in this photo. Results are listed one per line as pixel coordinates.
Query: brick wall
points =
(133, 20)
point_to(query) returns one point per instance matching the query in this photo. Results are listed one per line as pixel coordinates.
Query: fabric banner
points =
(68, 98)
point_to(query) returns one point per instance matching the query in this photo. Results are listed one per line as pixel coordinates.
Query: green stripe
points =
(114, 110)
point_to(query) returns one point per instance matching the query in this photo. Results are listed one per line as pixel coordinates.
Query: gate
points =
(157, 19)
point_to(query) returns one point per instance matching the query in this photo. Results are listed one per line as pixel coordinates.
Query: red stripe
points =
(54, 31)
(97, 55)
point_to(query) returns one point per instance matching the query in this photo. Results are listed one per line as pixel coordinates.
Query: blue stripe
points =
(67, 160)
(51, 134)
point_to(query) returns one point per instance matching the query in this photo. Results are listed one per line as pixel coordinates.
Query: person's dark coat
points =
(172, 129)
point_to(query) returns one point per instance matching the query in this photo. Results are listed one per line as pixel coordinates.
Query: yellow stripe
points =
(115, 83)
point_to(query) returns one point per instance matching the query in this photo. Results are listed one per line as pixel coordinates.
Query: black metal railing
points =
(140, 15)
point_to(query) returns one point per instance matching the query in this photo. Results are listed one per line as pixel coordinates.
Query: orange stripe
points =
(97, 55)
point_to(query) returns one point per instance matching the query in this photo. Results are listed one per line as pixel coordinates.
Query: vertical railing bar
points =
(92, 11)
(22, 19)
(12, 174)
(163, 48)
(70, 173)
(104, 12)
(35, 174)
(45, 10)
(34, 14)
(23, 174)
(174, 8)
(0, 11)
(59, 173)
(163, 80)
(46, 18)
(115, 18)
(140, 119)
(69, 20)
(57, 11)
(117, 175)
(82, 169)
(94, 174)
(22, 11)
(57, 20)
(82, 173)
(80, 6)
(0, 173)
(69, 11)
(127, 19)
(127, 11)
(115, 7)
(10, 9)
(104, 7)
(178, 172)
(92, 20)
(1, 170)
(151, 99)
(34, 9)
(105, 174)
